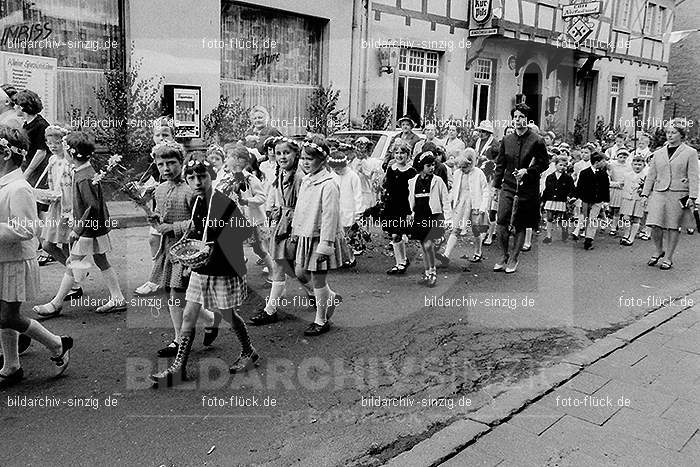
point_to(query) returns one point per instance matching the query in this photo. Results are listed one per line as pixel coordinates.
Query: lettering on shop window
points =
(26, 32)
(264, 59)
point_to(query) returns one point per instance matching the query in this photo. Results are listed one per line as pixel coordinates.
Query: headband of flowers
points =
(57, 128)
(195, 162)
(13, 149)
(284, 139)
(217, 149)
(308, 144)
(425, 155)
(167, 144)
(347, 147)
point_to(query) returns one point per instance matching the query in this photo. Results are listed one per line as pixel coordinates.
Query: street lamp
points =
(388, 59)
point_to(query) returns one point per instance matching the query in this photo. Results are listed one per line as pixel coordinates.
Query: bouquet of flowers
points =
(116, 174)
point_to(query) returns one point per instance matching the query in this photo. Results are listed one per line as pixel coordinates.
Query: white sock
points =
(115, 292)
(66, 285)
(43, 336)
(633, 231)
(322, 296)
(528, 236)
(404, 257)
(176, 318)
(479, 243)
(397, 253)
(10, 351)
(451, 244)
(276, 292)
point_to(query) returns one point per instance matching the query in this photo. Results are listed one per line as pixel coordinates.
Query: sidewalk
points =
(639, 405)
(126, 214)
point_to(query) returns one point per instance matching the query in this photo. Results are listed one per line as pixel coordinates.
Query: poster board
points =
(38, 74)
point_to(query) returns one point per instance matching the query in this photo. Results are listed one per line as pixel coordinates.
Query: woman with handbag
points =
(671, 187)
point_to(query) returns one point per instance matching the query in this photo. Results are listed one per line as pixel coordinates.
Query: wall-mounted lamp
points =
(667, 91)
(388, 59)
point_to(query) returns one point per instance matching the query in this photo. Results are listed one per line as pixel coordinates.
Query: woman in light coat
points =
(672, 188)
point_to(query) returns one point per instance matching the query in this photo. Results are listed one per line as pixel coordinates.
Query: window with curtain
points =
(615, 91)
(646, 99)
(249, 54)
(78, 33)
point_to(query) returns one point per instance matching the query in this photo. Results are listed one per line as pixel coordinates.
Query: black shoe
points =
(244, 363)
(588, 244)
(399, 269)
(263, 318)
(62, 361)
(317, 329)
(350, 264)
(574, 237)
(547, 240)
(169, 351)
(74, 294)
(23, 343)
(211, 332)
(11, 379)
(432, 280)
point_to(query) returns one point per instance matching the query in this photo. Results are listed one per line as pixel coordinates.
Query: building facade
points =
(684, 67)
(573, 62)
(473, 60)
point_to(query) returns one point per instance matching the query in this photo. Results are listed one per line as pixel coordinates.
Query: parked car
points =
(381, 140)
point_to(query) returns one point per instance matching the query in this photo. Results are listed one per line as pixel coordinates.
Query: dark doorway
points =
(532, 90)
(589, 90)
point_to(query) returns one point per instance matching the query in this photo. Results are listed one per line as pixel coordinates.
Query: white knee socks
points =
(322, 296)
(112, 281)
(277, 291)
(176, 318)
(66, 284)
(451, 244)
(42, 335)
(8, 340)
(528, 236)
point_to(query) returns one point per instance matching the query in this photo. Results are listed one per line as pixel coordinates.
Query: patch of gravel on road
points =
(443, 361)
(595, 334)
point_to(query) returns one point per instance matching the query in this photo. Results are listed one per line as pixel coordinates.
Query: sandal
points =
(655, 259)
(476, 258)
(666, 265)
(45, 259)
(626, 242)
(111, 307)
(47, 310)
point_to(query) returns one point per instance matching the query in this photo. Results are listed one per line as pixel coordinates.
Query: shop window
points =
(615, 92)
(80, 34)
(417, 84)
(646, 99)
(270, 46)
(481, 96)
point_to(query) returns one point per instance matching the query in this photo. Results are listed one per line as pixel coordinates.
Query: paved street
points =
(637, 406)
(332, 394)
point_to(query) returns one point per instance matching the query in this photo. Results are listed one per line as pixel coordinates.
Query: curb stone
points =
(450, 440)
(442, 445)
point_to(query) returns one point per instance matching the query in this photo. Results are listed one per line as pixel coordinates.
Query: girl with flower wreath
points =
(90, 228)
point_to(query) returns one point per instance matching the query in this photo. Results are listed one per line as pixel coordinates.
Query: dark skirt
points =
(428, 227)
(527, 214)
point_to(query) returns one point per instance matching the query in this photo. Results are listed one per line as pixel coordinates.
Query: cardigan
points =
(521, 152)
(478, 189)
(439, 198)
(19, 222)
(558, 189)
(350, 196)
(317, 212)
(679, 173)
(226, 232)
(593, 186)
(90, 213)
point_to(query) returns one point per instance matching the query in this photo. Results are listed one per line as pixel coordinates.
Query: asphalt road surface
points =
(401, 362)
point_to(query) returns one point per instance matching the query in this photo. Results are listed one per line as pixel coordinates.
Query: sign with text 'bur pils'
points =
(38, 74)
(481, 11)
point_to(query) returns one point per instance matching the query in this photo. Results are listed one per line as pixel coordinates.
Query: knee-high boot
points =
(177, 371)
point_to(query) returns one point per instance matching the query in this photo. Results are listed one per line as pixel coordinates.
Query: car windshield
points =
(378, 140)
